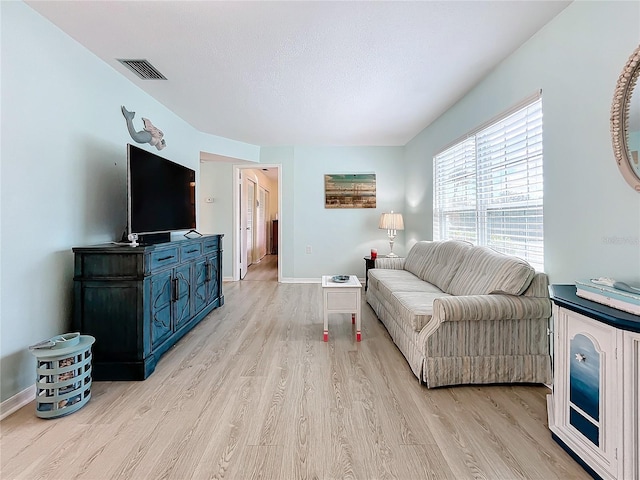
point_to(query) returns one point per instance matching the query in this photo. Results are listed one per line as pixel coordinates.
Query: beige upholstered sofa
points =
(462, 314)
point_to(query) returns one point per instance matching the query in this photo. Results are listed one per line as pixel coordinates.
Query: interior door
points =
(250, 210)
(261, 223)
(243, 225)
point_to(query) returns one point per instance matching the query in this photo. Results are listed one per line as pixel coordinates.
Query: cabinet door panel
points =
(108, 308)
(213, 285)
(586, 388)
(591, 362)
(160, 307)
(182, 279)
(200, 294)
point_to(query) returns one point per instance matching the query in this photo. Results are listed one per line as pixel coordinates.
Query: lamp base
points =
(392, 236)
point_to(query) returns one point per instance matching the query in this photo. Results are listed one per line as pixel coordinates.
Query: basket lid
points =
(59, 341)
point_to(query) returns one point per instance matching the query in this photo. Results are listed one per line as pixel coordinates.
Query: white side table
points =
(341, 298)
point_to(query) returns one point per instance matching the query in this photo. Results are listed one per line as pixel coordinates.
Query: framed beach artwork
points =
(357, 190)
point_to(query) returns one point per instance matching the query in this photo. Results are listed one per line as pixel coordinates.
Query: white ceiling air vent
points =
(143, 69)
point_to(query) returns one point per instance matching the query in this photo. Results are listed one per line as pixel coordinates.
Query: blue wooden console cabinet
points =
(139, 301)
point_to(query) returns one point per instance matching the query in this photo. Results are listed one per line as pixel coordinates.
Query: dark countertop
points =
(125, 247)
(565, 296)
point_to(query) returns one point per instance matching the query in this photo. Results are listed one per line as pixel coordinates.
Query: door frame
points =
(243, 199)
(251, 187)
(235, 236)
(261, 206)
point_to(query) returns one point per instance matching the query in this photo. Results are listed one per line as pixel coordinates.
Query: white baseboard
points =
(301, 280)
(293, 280)
(18, 401)
(308, 280)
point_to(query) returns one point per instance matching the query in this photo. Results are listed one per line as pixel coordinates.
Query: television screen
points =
(161, 193)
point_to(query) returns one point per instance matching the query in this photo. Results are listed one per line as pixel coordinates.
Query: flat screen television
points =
(160, 193)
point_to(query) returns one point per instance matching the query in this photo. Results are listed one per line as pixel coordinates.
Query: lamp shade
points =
(391, 221)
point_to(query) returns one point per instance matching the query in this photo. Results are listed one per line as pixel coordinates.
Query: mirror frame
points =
(620, 118)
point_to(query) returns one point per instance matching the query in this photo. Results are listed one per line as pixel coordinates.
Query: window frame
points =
(508, 176)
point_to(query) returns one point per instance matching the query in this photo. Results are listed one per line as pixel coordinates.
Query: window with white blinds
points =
(488, 187)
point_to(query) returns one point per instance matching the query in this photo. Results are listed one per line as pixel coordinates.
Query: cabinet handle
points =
(192, 251)
(174, 292)
(581, 357)
(165, 258)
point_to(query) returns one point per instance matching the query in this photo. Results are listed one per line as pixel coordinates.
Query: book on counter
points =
(610, 296)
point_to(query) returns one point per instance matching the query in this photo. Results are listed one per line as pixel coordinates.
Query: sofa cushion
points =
(484, 271)
(415, 308)
(389, 281)
(436, 262)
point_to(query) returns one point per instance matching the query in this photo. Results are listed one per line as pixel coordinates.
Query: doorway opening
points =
(256, 229)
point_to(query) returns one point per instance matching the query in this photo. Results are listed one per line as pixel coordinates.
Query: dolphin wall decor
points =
(150, 134)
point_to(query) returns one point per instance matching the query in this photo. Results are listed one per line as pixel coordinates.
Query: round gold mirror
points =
(625, 122)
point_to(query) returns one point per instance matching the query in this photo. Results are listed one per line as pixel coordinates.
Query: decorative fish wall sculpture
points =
(151, 135)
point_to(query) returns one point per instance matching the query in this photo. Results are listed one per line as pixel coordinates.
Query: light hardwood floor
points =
(266, 270)
(254, 392)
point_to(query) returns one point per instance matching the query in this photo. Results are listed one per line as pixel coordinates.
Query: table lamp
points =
(391, 222)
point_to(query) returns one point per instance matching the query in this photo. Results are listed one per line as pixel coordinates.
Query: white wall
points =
(339, 238)
(592, 216)
(216, 180)
(64, 174)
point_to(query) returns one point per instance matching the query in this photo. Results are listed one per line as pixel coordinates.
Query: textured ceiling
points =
(305, 73)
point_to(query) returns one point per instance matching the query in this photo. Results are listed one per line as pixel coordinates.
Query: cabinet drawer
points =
(342, 301)
(190, 251)
(210, 244)
(163, 258)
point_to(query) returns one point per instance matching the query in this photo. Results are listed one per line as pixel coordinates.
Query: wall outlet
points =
(309, 249)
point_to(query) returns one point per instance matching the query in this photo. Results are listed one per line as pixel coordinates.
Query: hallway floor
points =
(265, 271)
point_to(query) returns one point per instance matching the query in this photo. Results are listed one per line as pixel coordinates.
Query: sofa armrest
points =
(390, 263)
(489, 307)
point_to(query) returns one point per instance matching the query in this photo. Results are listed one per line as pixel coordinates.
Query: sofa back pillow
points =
(484, 271)
(418, 256)
(436, 262)
(445, 262)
